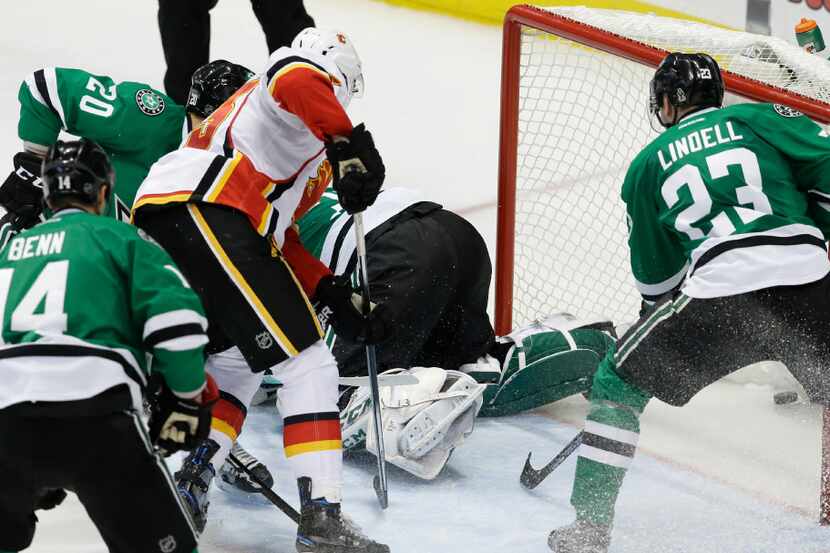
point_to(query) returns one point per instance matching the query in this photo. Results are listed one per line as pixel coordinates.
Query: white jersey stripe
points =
(52, 85)
(30, 83)
(611, 432)
(604, 457)
(183, 344)
(173, 318)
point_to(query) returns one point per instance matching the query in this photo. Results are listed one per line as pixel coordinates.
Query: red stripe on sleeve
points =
(309, 95)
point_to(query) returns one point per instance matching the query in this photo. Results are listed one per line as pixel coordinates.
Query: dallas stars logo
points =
(786, 111)
(149, 102)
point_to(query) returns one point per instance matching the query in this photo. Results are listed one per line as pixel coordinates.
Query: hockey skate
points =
(325, 529)
(580, 537)
(233, 479)
(193, 481)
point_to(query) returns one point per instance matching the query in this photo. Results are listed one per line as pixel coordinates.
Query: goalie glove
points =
(339, 305)
(358, 169)
(22, 191)
(182, 424)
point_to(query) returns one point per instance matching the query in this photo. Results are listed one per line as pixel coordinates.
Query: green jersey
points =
(728, 201)
(83, 300)
(326, 230)
(134, 123)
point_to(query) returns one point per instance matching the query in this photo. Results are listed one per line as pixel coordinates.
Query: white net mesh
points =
(582, 119)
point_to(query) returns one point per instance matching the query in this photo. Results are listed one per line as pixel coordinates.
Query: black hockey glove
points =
(22, 192)
(181, 424)
(338, 304)
(49, 499)
(358, 169)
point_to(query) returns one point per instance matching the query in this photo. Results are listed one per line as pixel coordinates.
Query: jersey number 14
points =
(48, 290)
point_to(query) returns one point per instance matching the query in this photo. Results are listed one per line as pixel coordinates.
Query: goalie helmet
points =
(214, 83)
(337, 47)
(687, 80)
(77, 169)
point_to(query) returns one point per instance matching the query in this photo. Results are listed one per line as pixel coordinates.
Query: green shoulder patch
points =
(149, 102)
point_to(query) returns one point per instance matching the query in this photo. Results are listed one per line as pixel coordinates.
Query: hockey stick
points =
(380, 484)
(270, 494)
(531, 477)
(387, 380)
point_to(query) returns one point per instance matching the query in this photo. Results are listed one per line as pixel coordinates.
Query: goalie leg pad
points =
(423, 423)
(432, 425)
(550, 359)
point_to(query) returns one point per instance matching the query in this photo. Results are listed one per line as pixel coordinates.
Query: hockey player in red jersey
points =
(221, 205)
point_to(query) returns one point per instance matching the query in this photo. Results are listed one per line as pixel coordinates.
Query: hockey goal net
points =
(573, 116)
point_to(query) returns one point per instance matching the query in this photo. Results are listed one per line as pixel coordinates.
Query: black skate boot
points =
(325, 529)
(193, 481)
(580, 537)
(233, 479)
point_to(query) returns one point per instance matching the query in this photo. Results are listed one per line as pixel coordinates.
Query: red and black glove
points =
(358, 169)
(182, 424)
(339, 305)
(22, 191)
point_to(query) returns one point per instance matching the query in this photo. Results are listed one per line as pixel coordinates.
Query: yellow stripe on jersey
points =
(160, 199)
(240, 282)
(311, 447)
(217, 187)
(265, 219)
(221, 426)
(291, 67)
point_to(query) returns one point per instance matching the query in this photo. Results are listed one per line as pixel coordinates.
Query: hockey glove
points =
(182, 424)
(50, 498)
(338, 304)
(22, 192)
(358, 169)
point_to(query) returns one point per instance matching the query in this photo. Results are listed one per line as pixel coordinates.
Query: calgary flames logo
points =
(317, 184)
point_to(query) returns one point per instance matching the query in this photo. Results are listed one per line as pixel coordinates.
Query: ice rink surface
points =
(730, 473)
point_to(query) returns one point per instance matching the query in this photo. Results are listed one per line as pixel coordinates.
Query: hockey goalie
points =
(425, 422)
(430, 270)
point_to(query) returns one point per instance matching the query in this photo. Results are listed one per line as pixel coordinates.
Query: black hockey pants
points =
(107, 460)
(684, 344)
(431, 271)
(185, 34)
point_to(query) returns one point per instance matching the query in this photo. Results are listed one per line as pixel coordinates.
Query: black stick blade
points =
(383, 495)
(530, 477)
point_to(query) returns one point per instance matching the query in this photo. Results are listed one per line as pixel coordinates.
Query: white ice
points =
(729, 473)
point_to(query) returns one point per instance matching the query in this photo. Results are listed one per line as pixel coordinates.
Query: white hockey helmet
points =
(338, 47)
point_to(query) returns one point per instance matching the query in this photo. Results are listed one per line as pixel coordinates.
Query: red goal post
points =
(587, 36)
(530, 16)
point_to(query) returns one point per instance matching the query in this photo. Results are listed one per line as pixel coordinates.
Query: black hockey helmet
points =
(78, 169)
(214, 83)
(687, 80)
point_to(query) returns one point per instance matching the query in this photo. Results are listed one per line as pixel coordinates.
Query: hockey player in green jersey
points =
(728, 213)
(134, 123)
(84, 301)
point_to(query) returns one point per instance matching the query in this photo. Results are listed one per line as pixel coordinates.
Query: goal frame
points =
(529, 16)
(536, 18)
